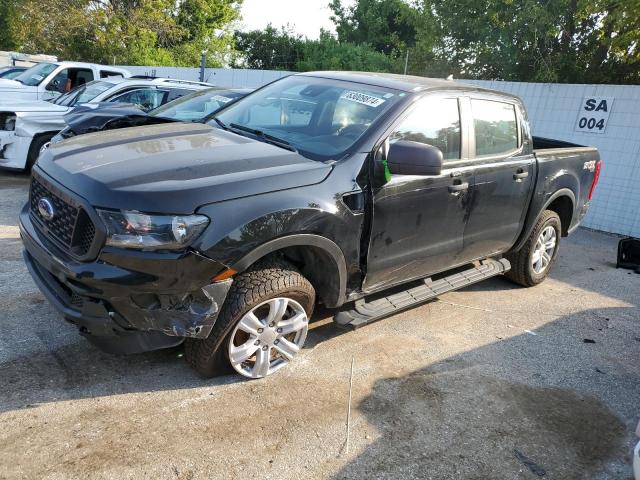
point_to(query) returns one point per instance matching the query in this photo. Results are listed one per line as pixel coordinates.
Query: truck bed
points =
(577, 164)
(543, 143)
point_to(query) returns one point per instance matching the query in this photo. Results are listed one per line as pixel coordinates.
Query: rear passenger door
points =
(503, 176)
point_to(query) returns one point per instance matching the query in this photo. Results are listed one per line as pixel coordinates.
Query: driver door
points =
(418, 221)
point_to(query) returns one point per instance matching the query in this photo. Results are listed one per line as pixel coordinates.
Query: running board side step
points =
(365, 312)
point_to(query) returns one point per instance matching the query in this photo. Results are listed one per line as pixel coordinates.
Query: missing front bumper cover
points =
(192, 314)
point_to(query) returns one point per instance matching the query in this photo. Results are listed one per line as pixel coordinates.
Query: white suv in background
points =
(46, 81)
(27, 127)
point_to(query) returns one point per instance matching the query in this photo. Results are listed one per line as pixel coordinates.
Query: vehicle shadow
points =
(79, 370)
(545, 404)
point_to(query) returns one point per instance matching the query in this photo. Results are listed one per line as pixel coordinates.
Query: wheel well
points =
(318, 266)
(563, 206)
(32, 155)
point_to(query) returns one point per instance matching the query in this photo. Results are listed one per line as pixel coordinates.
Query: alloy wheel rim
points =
(544, 250)
(268, 337)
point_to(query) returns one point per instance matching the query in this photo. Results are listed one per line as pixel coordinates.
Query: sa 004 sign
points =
(594, 114)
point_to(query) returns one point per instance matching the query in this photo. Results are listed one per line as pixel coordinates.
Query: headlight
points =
(7, 121)
(151, 232)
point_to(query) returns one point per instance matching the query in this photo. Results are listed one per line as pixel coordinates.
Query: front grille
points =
(71, 227)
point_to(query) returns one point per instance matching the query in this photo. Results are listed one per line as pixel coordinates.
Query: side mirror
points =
(406, 157)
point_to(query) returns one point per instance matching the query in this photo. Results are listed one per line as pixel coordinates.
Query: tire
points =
(34, 150)
(257, 290)
(525, 270)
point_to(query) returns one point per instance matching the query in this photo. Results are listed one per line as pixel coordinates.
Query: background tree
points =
(136, 32)
(327, 53)
(389, 26)
(269, 49)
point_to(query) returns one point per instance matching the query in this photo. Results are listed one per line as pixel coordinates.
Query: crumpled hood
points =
(96, 117)
(174, 168)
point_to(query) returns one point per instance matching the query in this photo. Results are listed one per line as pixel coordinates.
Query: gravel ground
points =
(493, 381)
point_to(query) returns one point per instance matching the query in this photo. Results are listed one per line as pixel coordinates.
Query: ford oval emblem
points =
(45, 207)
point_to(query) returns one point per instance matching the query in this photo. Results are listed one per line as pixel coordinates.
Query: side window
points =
(60, 82)
(177, 93)
(144, 98)
(69, 78)
(436, 122)
(495, 125)
(109, 74)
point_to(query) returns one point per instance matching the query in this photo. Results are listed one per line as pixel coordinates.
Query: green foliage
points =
(389, 26)
(273, 49)
(135, 32)
(268, 49)
(578, 41)
(327, 53)
(8, 18)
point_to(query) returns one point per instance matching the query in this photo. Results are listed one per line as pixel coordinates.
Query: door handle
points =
(458, 187)
(520, 174)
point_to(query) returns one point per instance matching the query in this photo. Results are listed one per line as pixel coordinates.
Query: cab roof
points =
(406, 83)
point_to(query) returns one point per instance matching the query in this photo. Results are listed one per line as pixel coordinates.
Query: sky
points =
(306, 17)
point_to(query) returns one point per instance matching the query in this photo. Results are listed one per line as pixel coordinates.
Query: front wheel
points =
(532, 263)
(262, 326)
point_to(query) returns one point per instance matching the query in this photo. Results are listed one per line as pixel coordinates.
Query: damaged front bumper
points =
(14, 150)
(127, 301)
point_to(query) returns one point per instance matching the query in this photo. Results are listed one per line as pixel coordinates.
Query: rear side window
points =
(177, 93)
(496, 129)
(436, 122)
(110, 74)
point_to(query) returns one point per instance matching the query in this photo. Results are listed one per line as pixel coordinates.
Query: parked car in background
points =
(46, 81)
(195, 107)
(9, 73)
(27, 127)
(370, 192)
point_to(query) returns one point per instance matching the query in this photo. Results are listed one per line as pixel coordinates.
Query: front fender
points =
(30, 125)
(244, 230)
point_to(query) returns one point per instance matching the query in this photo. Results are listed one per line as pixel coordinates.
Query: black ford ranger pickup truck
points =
(369, 193)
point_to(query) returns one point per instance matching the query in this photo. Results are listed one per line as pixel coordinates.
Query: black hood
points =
(105, 116)
(174, 168)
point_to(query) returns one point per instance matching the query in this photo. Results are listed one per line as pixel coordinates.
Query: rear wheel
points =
(262, 326)
(532, 263)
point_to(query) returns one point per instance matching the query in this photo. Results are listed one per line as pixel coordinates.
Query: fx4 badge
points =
(591, 166)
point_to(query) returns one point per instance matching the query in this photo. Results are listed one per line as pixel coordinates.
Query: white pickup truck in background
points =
(46, 81)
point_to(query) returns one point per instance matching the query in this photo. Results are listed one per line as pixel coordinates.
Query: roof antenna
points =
(450, 77)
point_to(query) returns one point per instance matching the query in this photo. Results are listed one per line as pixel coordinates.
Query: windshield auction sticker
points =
(362, 98)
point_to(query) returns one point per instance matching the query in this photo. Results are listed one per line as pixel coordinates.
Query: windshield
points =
(36, 74)
(84, 93)
(320, 118)
(196, 106)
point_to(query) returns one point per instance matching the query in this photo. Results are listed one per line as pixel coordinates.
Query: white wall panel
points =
(553, 111)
